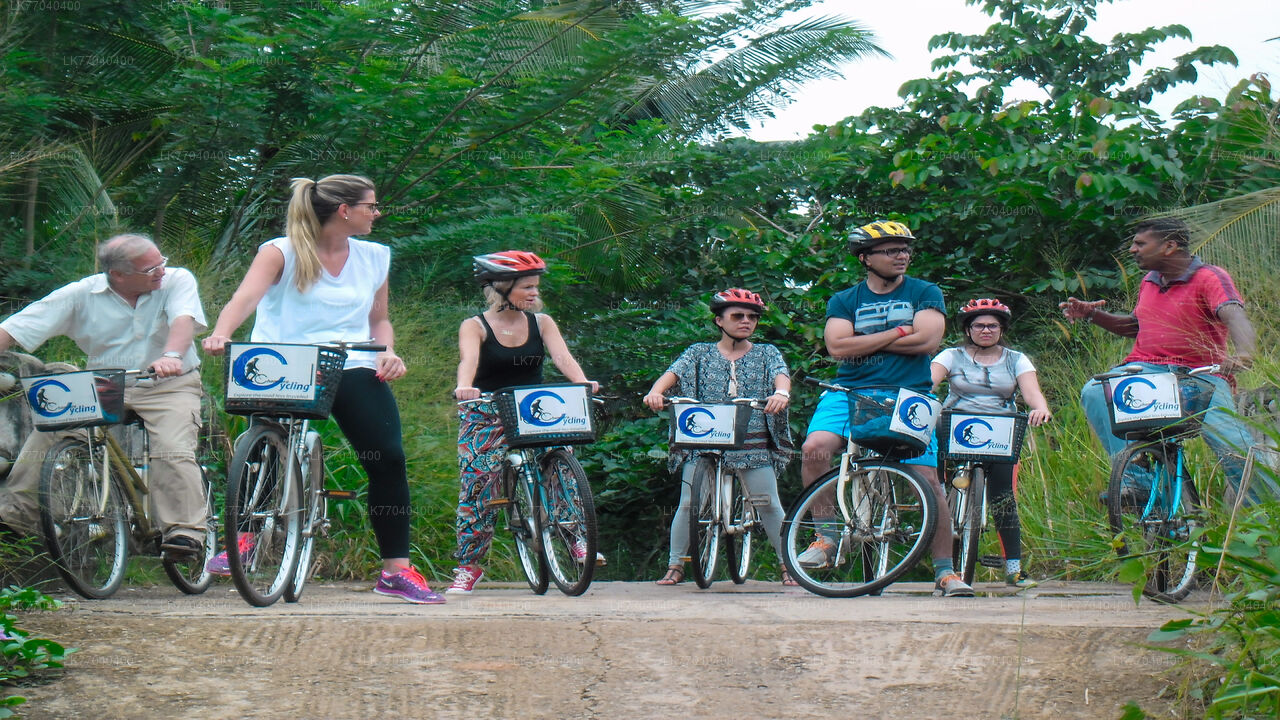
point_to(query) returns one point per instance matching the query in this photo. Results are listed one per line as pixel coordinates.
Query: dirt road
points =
(623, 650)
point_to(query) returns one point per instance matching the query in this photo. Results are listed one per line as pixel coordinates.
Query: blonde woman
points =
(501, 347)
(319, 283)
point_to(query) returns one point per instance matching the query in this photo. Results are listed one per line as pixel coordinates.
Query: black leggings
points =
(367, 414)
(1004, 507)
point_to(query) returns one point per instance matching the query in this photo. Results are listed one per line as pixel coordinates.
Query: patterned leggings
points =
(481, 449)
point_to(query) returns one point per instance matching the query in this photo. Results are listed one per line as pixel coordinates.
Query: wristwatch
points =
(172, 354)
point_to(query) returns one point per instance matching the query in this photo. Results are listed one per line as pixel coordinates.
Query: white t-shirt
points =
(974, 387)
(333, 308)
(112, 333)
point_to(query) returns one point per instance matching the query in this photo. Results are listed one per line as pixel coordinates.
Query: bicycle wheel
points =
(737, 546)
(568, 523)
(317, 512)
(84, 518)
(189, 574)
(704, 522)
(1160, 528)
(522, 520)
(263, 515)
(968, 514)
(890, 522)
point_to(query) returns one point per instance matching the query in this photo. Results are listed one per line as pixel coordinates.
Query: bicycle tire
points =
(263, 504)
(317, 512)
(971, 524)
(737, 547)
(568, 522)
(893, 513)
(85, 534)
(522, 520)
(191, 574)
(1165, 537)
(704, 522)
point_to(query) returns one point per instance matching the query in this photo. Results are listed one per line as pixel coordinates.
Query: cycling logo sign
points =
(273, 372)
(914, 415)
(552, 409)
(63, 399)
(706, 425)
(987, 435)
(1146, 397)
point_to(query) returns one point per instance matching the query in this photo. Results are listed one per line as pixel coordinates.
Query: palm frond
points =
(1241, 234)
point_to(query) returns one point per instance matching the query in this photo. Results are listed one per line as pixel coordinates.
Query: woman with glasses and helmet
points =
(503, 346)
(716, 373)
(983, 375)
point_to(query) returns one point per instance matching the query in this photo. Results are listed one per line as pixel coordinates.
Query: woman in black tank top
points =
(501, 347)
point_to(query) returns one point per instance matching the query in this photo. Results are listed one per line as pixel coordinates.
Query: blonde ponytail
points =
(310, 207)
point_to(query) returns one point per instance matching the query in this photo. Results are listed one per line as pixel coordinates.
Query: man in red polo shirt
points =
(1186, 312)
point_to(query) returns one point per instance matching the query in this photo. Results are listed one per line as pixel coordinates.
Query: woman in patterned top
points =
(716, 373)
(982, 376)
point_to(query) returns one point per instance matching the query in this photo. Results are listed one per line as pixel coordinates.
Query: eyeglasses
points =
(892, 252)
(739, 316)
(153, 270)
(985, 327)
(374, 206)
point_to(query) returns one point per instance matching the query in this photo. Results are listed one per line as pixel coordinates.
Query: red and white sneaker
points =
(465, 578)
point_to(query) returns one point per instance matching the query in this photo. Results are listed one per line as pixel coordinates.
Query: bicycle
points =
(1153, 507)
(277, 504)
(721, 509)
(870, 508)
(92, 490)
(545, 494)
(974, 440)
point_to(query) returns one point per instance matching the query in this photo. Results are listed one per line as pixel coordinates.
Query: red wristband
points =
(902, 330)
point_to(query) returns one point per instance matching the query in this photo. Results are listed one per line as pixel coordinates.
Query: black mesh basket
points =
(1194, 394)
(974, 452)
(870, 418)
(328, 376)
(509, 414)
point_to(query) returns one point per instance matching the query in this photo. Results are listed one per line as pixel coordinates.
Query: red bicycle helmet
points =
(984, 306)
(736, 297)
(508, 265)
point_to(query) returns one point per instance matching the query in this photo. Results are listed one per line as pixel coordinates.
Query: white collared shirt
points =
(112, 333)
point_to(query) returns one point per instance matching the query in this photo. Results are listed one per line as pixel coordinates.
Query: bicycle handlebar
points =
(1175, 369)
(885, 404)
(488, 397)
(757, 403)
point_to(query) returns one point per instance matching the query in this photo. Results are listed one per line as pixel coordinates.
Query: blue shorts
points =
(832, 415)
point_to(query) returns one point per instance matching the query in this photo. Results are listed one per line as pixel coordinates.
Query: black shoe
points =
(180, 547)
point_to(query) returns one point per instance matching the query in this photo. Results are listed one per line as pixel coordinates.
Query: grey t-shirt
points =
(974, 387)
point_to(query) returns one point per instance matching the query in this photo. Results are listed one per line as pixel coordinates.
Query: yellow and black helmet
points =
(876, 233)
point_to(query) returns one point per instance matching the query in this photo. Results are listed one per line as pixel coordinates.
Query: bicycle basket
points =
(892, 421)
(982, 437)
(282, 379)
(546, 415)
(1156, 403)
(86, 398)
(706, 426)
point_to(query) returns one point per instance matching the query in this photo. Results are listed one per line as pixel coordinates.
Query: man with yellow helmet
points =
(882, 332)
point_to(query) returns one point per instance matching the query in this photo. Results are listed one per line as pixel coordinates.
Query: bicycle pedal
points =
(991, 561)
(497, 502)
(338, 494)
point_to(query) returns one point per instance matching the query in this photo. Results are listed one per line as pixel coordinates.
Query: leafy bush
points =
(23, 654)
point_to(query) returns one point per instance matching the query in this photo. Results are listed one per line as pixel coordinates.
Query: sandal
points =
(787, 580)
(674, 576)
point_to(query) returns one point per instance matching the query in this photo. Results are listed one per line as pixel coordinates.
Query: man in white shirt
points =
(135, 314)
